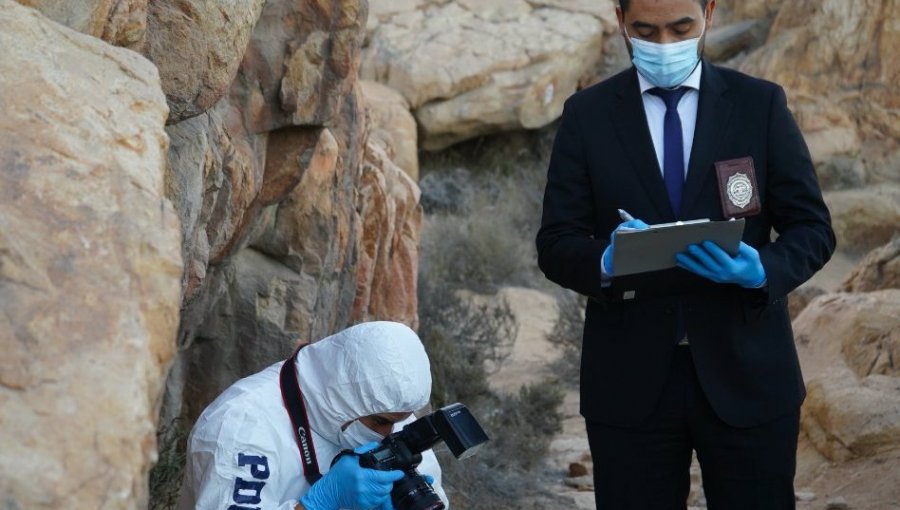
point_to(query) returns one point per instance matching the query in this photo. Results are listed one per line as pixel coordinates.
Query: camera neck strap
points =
(293, 402)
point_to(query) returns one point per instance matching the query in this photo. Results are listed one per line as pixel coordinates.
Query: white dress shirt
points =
(655, 109)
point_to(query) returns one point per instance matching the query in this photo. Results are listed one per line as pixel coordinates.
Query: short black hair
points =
(625, 3)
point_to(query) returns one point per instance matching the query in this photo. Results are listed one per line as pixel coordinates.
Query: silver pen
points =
(624, 215)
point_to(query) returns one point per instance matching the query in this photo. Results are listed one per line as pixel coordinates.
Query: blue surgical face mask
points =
(665, 65)
(357, 434)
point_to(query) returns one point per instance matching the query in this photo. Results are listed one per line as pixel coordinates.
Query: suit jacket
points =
(741, 339)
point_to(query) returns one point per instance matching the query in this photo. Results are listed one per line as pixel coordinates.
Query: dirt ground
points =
(866, 484)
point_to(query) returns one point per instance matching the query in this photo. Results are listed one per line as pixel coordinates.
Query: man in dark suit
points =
(705, 361)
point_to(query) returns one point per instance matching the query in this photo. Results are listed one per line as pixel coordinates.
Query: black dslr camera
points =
(453, 424)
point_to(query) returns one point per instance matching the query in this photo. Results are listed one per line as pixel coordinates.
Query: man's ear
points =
(710, 7)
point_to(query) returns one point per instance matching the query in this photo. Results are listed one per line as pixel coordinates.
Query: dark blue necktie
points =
(673, 145)
(673, 168)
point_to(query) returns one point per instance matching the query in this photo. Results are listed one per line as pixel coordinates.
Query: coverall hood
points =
(370, 368)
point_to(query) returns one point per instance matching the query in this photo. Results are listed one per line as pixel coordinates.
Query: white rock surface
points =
(472, 67)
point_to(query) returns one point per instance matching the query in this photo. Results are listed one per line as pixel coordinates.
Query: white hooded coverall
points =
(242, 453)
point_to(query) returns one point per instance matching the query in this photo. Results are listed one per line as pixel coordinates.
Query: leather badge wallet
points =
(738, 190)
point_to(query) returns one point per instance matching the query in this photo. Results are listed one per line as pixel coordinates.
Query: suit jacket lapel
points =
(634, 136)
(713, 112)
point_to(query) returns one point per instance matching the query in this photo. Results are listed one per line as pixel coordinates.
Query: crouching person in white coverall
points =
(246, 453)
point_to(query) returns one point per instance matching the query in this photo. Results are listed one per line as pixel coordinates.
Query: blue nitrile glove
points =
(348, 485)
(608, 252)
(712, 262)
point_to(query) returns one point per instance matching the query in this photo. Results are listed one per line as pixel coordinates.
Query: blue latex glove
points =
(712, 262)
(608, 253)
(348, 485)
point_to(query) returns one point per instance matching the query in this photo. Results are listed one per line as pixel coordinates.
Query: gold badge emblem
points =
(739, 190)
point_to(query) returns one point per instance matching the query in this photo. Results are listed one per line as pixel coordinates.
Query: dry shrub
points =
(567, 334)
(482, 202)
(167, 475)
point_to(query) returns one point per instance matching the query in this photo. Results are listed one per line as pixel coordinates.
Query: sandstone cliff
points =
(179, 212)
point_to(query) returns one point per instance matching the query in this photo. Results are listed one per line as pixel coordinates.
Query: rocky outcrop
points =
(470, 68)
(89, 267)
(118, 22)
(838, 62)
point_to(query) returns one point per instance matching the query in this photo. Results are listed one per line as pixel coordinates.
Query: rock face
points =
(118, 22)
(470, 68)
(296, 217)
(302, 62)
(295, 221)
(392, 220)
(839, 64)
(89, 267)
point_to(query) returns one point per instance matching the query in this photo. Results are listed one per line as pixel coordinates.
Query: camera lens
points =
(412, 492)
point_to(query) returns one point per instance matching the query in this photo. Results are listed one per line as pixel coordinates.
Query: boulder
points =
(198, 46)
(89, 267)
(847, 345)
(846, 417)
(118, 22)
(470, 68)
(880, 269)
(392, 126)
(862, 330)
(865, 218)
